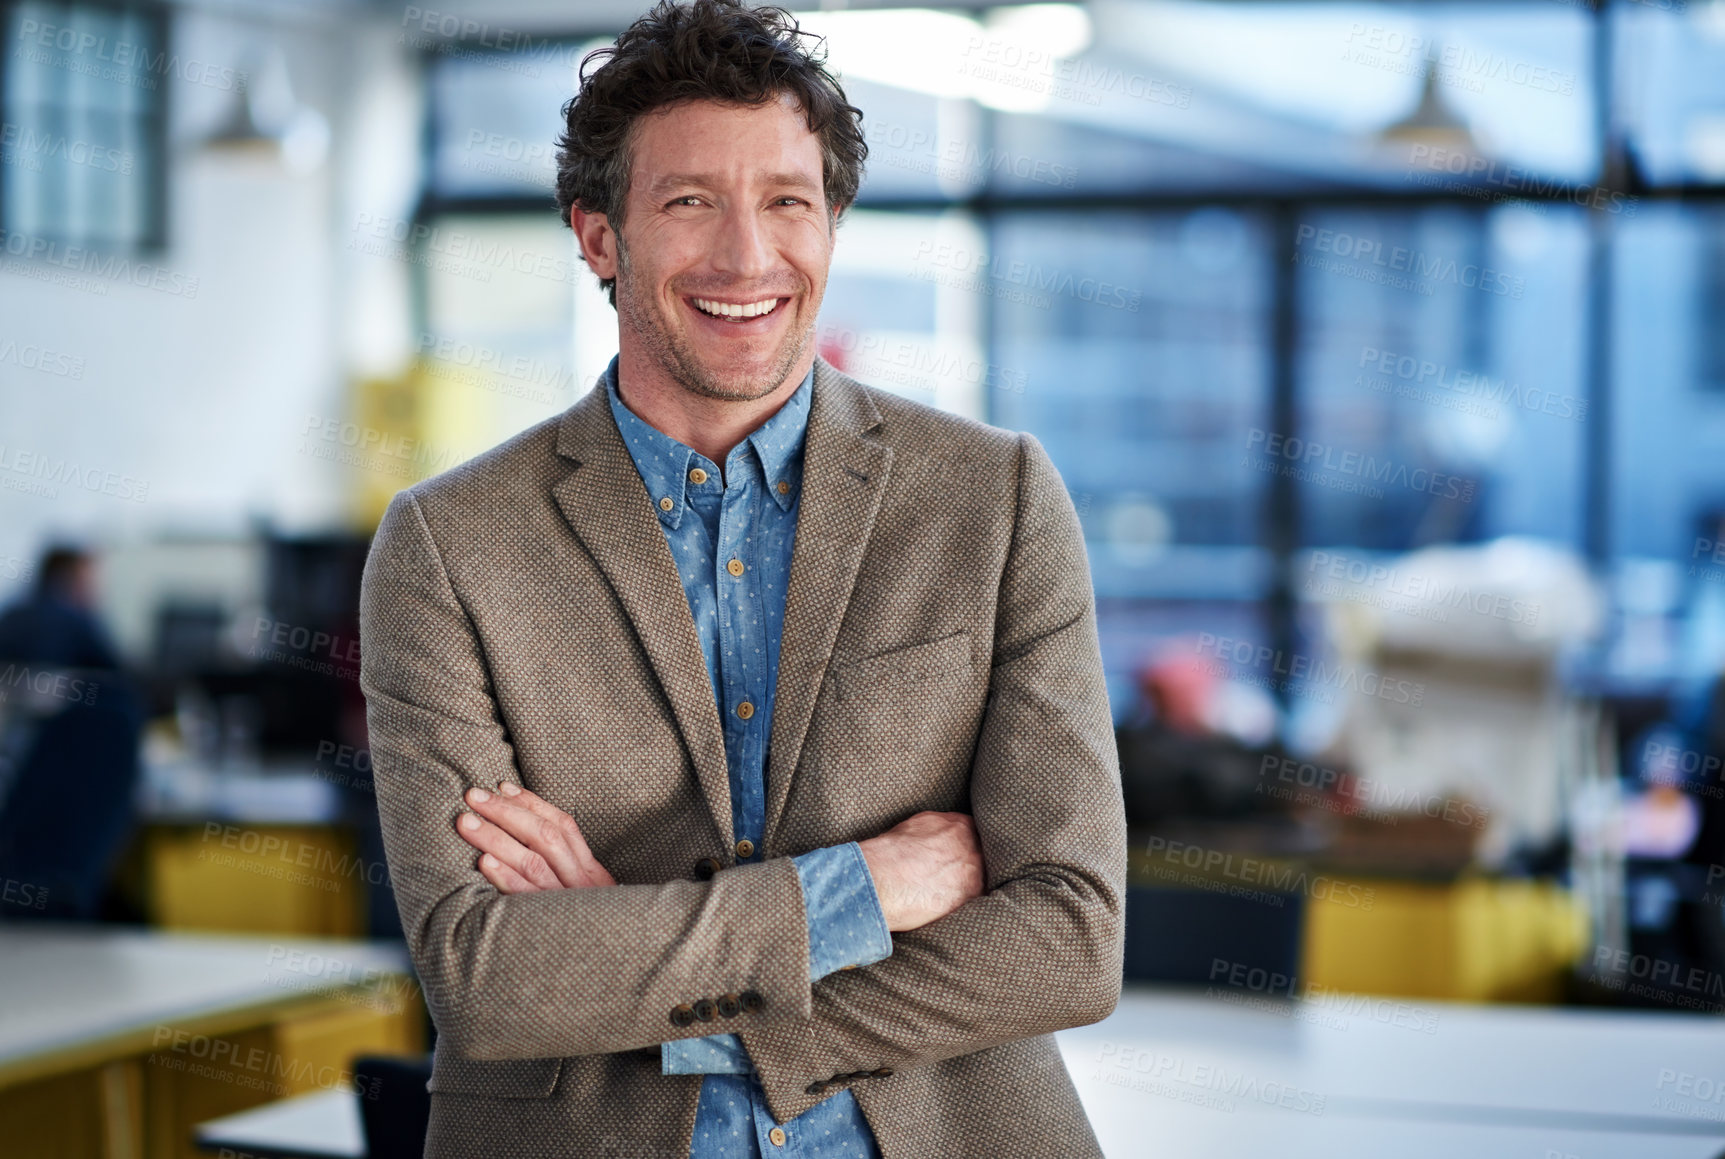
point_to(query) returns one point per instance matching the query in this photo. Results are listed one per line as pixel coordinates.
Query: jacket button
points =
(706, 867)
(884, 1072)
(814, 1088)
(705, 1010)
(730, 1005)
(681, 1016)
(752, 1000)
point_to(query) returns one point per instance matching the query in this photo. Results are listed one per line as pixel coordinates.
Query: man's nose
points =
(741, 248)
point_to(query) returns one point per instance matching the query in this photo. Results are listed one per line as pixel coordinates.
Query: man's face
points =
(726, 243)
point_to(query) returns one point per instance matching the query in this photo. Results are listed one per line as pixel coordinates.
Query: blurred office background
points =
(1381, 347)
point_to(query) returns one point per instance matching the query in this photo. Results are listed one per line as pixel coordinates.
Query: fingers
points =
(524, 865)
(535, 841)
(546, 811)
(504, 878)
(542, 835)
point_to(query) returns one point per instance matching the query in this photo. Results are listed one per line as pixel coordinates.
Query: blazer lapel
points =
(844, 477)
(611, 513)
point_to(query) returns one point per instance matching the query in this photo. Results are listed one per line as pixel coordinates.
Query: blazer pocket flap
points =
(514, 1078)
(910, 662)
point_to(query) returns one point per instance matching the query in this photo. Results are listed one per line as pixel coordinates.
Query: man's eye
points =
(790, 201)
(686, 199)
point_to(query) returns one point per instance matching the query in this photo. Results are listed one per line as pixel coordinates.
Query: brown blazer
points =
(522, 618)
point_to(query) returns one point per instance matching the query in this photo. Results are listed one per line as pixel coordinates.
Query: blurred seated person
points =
(1707, 853)
(1194, 745)
(69, 730)
(1673, 837)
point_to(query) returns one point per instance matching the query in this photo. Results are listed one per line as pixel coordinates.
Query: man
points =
(70, 723)
(740, 735)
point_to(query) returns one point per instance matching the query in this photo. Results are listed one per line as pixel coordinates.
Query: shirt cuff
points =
(714, 1054)
(846, 926)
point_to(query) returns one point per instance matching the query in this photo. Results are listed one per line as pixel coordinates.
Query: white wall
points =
(203, 398)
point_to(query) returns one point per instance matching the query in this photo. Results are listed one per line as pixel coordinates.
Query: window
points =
(1447, 395)
(81, 132)
(1710, 303)
(1369, 229)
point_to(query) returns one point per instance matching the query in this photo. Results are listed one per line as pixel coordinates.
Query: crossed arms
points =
(514, 966)
(923, 868)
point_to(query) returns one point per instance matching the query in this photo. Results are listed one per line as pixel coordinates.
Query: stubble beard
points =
(674, 355)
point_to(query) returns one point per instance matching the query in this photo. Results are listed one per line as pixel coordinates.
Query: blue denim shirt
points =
(731, 537)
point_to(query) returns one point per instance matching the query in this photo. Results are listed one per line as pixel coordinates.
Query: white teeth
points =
(728, 310)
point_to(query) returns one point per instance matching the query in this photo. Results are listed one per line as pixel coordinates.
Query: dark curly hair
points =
(714, 50)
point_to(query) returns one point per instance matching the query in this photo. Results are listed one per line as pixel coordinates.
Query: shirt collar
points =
(663, 462)
(778, 443)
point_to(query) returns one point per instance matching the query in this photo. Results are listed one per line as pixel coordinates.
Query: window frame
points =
(152, 151)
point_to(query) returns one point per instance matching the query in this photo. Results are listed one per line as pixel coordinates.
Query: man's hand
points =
(924, 867)
(527, 844)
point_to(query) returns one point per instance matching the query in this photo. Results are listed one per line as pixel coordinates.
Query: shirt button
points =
(777, 1135)
(784, 487)
(735, 567)
(745, 848)
(697, 476)
(666, 504)
(745, 710)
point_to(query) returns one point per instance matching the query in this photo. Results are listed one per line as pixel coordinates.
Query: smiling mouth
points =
(736, 311)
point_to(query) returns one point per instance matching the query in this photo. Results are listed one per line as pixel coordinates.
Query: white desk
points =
(118, 1041)
(1174, 1132)
(325, 1125)
(1174, 1074)
(73, 989)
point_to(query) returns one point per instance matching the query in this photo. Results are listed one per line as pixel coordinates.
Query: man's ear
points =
(597, 239)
